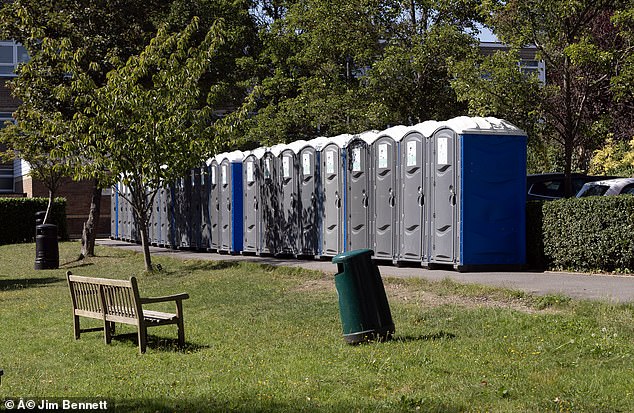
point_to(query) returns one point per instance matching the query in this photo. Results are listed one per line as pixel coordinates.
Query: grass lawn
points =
(269, 339)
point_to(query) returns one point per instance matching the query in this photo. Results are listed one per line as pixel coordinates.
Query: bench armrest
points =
(175, 297)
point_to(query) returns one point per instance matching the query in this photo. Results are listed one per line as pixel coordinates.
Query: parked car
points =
(619, 186)
(551, 186)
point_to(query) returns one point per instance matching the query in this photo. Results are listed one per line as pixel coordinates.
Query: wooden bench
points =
(118, 301)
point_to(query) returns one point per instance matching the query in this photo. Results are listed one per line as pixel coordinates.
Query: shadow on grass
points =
(18, 284)
(256, 404)
(212, 265)
(161, 343)
(441, 335)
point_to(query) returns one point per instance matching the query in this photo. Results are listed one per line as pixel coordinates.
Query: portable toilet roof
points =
(296, 146)
(277, 149)
(480, 125)
(395, 132)
(369, 136)
(427, 128)
(341, 140)
(319, 142)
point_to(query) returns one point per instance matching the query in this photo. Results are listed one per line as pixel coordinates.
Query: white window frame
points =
(8, 170)
(15, 61)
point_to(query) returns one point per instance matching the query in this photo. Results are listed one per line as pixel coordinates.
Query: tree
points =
(150, 123)
(97, 35)
(329, 67)
(581, 49)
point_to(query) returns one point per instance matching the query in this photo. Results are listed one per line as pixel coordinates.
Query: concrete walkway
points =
(613, 288)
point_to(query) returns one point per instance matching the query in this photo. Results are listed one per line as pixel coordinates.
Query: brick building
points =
(14, 177)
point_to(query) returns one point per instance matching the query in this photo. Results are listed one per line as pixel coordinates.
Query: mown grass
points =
(269, 339)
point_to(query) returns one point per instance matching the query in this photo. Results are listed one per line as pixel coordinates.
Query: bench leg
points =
(76, 327)
(142, 339)
(107, 332)
(181, 333)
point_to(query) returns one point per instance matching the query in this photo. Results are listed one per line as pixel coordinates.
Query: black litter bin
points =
(365, 312)
(39, 217)
(46, 247)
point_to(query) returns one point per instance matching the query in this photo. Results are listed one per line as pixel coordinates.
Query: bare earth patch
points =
(403, 293)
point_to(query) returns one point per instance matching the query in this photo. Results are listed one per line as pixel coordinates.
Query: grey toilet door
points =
(411, 199)
(214, 206)
(289, 203)
(332, 235)
(269, 207)
(225, 205)
(205, 219)
(251, 204)
(166, 216)
(309, 217)
(358, 196)
(444, 196)
(195, 213)
(385, 194)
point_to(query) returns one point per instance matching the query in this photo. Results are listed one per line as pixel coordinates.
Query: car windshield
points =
(595, 190)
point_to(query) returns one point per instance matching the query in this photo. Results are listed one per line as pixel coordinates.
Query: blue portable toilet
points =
(477, 206)
(231, 202)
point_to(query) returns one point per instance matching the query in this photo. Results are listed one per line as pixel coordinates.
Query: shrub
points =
(590, 234)
(17, 218)
(535, 235)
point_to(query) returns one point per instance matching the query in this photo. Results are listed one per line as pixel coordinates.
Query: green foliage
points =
(590, 234)
(17, 218)
(330, 67)
(615, 158)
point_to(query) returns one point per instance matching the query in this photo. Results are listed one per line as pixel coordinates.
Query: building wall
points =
(78, 195)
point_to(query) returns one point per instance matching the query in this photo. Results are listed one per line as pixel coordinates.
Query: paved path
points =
(614, 288)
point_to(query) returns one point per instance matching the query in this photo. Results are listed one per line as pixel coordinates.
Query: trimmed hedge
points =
(585, 234)
(17, 218)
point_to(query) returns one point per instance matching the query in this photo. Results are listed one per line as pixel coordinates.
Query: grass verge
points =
(269, 339)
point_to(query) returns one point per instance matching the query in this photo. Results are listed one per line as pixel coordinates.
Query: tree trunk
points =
(89, 232)
(143, 229)
(49, 207)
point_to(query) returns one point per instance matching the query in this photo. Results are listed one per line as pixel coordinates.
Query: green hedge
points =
(17, 218)
(586, 234)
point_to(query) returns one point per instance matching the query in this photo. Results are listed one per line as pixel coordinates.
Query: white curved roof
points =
(276, 149)
(395, 132)
(296, 146)
(340, 140)
(319, 142)
(479, 125)
(258, 153)
(427, 128)
(234, 156)
(368, 136)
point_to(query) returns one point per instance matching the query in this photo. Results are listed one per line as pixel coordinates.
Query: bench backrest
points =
(90, 296)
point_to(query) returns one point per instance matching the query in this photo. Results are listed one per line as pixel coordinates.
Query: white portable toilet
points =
(384, 155)
(269, 197)
(214, 204)
(252, 177)
(413, 193)
(357, 196)
(332, 177)
(290, 208)
(309, 156)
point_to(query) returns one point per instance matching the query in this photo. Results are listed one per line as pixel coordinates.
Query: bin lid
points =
(349, 255)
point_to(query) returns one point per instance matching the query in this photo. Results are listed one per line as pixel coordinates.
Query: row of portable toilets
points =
(449, 192)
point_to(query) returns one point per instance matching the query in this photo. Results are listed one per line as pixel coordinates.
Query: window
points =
(595, 190)
(6, 169)
(11, 55)
(628, 190)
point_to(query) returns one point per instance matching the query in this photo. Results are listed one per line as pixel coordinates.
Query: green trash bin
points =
(365, 312)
